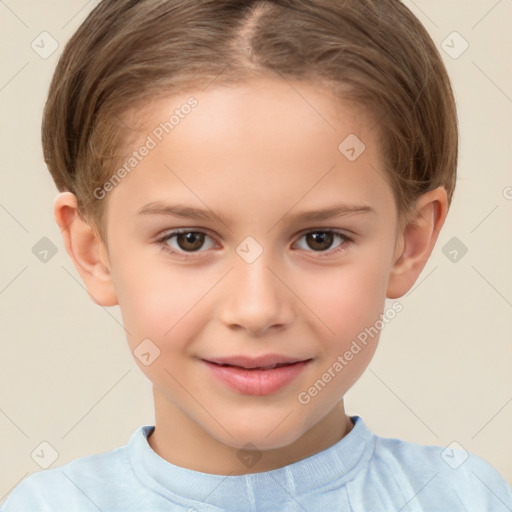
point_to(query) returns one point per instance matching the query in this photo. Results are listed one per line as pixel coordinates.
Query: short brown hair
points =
(127, 52)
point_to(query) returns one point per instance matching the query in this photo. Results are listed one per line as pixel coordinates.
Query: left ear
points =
(417, 240)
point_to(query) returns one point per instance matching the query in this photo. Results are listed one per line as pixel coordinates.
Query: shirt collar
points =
(333, 466)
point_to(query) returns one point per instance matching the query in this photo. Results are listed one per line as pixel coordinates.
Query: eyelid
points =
(336, 231)
(167, 234)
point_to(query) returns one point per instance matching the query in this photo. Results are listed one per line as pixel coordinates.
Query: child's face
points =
(244, 170)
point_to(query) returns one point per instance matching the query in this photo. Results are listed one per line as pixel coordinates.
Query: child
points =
(249, 181)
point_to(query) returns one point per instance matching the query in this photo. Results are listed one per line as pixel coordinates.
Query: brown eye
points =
(187, 242)
(323, 241)
(320, 241)
(190, 241)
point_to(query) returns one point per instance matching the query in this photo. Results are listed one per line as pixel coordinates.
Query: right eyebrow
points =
(177, 210)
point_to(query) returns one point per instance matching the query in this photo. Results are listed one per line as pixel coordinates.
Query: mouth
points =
(268, 367)
(256, 376)
(265, 362)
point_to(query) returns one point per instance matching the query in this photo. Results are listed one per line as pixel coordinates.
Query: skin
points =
(256, 154)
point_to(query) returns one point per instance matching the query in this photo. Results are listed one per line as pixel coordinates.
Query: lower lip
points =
(256, 382)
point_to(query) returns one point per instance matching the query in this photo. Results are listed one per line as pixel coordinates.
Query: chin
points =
(263, 434)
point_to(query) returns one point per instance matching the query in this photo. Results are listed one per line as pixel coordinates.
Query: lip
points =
(264, 361)
(258, 376)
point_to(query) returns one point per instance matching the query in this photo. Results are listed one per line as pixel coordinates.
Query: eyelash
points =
(185, 255)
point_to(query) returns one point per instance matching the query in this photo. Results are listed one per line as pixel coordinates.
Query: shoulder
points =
(449, 473)
(77, 485)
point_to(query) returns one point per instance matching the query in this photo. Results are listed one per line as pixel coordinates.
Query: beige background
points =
(443, 369)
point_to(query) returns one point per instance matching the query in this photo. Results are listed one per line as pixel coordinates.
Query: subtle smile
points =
(257, 377)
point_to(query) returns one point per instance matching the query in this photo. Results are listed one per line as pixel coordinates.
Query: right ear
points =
(86, 249)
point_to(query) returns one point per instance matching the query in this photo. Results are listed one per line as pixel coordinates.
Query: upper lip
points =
(264, 361)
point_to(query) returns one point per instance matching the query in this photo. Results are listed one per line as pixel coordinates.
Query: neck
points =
(183, 442)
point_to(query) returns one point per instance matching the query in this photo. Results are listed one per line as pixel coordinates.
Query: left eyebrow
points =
(328, 213)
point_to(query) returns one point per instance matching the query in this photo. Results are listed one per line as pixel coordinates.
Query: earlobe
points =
(417, 241)
(86, 249)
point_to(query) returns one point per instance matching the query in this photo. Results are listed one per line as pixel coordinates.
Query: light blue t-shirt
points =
(360, 473)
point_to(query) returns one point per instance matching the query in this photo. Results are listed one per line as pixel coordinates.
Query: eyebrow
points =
(187, 212)
(178, 210)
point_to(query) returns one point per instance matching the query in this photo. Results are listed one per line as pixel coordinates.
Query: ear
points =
(416, 241)
(86, 249)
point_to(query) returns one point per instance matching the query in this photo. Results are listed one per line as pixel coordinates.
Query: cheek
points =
(348, 298)
(155, 299)
(162, 305)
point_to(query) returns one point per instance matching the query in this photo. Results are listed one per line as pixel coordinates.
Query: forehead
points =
(263, 140)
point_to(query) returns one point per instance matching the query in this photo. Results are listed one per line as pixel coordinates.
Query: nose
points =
(256, 299)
